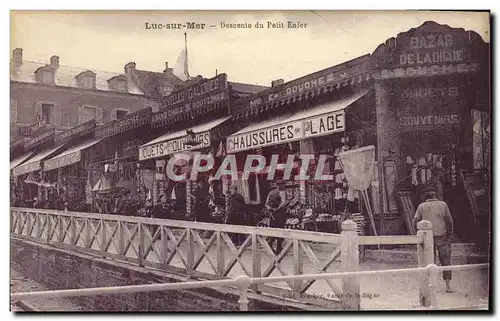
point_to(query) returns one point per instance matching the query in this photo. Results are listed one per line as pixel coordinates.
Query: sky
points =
(107, 40)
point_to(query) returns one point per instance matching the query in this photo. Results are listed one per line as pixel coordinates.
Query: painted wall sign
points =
(430, 92)
(429, 50)
(316, 81)
(287, 132)
(173, 146)
(197, 95)
(434, 120)
(199, 103)
(82, 129)
(129, 122)
(62, 161)
(40, 139)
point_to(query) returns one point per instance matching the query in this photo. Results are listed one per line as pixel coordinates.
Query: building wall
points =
(25, 97)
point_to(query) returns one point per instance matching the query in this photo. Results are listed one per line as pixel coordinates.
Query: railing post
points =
(49, 227)
(103, 238)
(28, 224)
(20, 223)
(350, 263)
(121, 239)
(60, 228)
(256, 261)
(297, 268)
(141, 243)
(164, 244)
(190, 253)
(425, 252)
(243, 282)
(87, 233)
(72, 229)
(221, 263)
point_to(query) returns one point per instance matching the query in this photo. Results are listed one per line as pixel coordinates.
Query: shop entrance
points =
(431, 159)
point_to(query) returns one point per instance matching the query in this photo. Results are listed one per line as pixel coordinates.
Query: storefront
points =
(196, 118)
(307, 122)
(68, 168)
(33, 181)
(115, 174)
(425, 80)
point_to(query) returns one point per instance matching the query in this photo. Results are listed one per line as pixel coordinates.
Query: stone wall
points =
(61, 269)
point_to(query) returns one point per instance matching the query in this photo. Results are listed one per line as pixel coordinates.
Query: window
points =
(48, 113)
(13, 111)
(47, 77)
(88, 82)
(120, 113)
(89, 113)
(121, 86)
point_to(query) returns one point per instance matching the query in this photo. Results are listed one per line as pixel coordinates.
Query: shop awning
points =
(172, 143)
(321, 120)
(19, 160)
(68, 157)
(35, 163)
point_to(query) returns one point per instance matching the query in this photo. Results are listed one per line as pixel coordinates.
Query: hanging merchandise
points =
(414, 171)
(409, 160)
(172, 196)
(358, 165)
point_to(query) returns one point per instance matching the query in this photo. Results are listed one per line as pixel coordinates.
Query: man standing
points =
(235, 213)
(276, 204)
(438, 213)
(160, 210)
(201, 197)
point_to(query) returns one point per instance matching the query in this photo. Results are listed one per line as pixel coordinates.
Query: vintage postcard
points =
(250, 160)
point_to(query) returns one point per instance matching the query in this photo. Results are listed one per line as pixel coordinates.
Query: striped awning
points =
(35, 163)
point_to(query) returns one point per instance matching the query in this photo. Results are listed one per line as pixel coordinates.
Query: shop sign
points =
(433, 120)
(40, 139)
(129, 122)
(279, 134)
(173, 146)
(82, 129)
(197, 96)
(324, 124)
(288, 132)
(62, 161)
(316, 81)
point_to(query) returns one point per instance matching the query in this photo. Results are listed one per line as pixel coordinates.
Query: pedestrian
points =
(276, 204)
(124, 205)
(161, 210)
(201, 197)
(235, 213)
(438, 213)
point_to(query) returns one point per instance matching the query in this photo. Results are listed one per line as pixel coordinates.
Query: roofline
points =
(80, 88)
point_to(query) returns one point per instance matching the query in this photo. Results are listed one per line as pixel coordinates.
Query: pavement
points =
(19, 283)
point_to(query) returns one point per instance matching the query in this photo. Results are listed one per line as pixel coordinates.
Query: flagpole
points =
(186, 61)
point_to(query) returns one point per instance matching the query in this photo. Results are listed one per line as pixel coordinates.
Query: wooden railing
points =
(180, 247)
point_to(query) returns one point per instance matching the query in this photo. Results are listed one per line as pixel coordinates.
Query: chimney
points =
(17, 56)
(130, 68)
(54, 61)
(277, 82)
(166, 67)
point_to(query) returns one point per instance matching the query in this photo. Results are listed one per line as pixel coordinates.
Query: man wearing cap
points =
(438, 213)
(276, 203)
